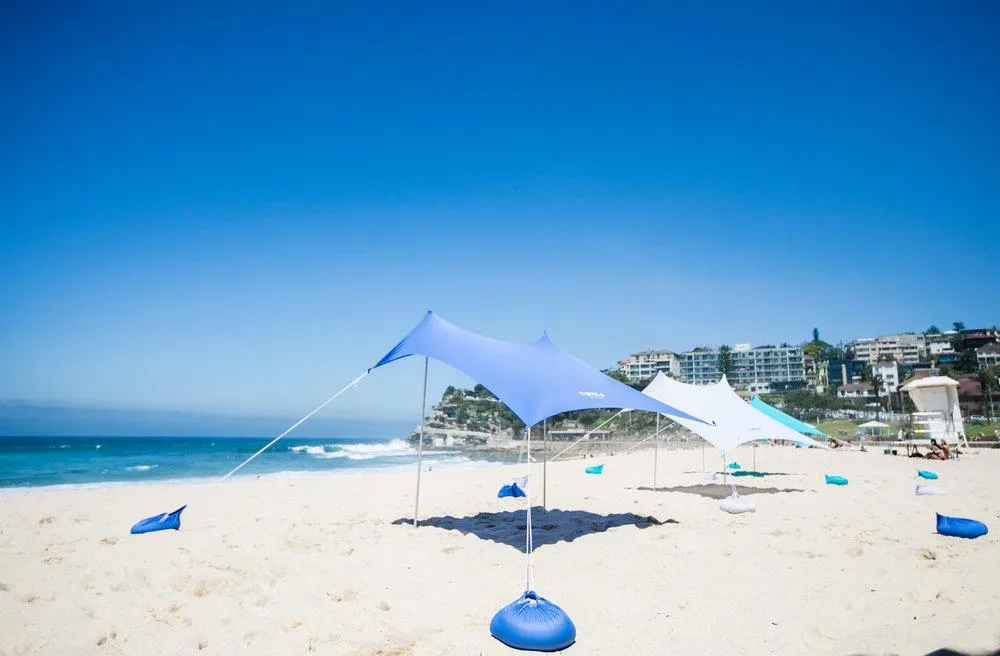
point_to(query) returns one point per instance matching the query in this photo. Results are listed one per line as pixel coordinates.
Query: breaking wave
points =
(358, 451)
(141, 467)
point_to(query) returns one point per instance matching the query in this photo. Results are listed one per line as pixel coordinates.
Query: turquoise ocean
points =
(41, 461)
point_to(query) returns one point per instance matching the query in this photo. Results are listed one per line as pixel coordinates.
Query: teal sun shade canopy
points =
(786, 419)
(535, 380)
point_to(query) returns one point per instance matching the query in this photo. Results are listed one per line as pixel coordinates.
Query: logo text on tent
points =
(592, 395)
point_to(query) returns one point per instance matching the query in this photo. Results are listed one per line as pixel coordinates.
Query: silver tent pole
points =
(420, 443)
(545, 461)
(656, 450)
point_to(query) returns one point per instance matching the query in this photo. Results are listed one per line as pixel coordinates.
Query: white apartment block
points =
(941, 344)
(988, 356)
(763, 364)
(903, 348)
(640, 366)
(856, 391)
(888, 371)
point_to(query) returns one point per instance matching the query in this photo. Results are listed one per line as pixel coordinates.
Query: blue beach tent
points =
(535, 381)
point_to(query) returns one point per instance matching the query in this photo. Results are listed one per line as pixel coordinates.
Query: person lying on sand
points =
(837, 444)
(937, 452)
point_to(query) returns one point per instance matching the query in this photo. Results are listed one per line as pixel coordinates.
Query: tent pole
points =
(545, 461)
(656, 450)
(755, 456)
(527, 526)
(703, 469)
(420, 443)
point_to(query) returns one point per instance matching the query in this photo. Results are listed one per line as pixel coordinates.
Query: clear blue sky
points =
(235, 207)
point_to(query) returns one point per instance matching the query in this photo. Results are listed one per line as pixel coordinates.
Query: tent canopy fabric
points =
(734, 421)
(535, 380)
(786, 419)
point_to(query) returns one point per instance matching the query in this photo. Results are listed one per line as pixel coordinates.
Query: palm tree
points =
(877, 385)
(989, 379)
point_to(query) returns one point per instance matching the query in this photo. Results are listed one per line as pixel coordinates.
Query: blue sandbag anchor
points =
(835, 480)
(159, 522)
(511, 490)
(596, 469)
(533, 623)
(923, 473)
(959, 527)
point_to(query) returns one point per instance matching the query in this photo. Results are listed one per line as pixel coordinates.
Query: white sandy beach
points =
(317, 564)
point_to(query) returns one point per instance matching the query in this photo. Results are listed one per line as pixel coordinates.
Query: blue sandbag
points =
(734, 465)
(533, 623)
(835, 480)
(960, 528)
(159, 522)
(923, 473)
(511, 490)
(596, 469)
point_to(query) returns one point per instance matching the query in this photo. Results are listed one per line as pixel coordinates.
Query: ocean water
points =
(40, 461)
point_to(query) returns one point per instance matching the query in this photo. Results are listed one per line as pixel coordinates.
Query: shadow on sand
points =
(717, 490)
(548, 526)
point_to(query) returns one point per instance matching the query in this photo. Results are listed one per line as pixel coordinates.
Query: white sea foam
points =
(141, 467)
(357, 451)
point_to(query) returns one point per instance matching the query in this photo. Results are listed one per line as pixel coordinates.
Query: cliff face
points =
(469, 418)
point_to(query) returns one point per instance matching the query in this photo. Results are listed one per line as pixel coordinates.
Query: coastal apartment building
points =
(645, 364)
(988, 356)
(907, 349)
(760, 365)
(888, 371)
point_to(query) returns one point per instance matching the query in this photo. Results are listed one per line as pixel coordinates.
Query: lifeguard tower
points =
(938, 414)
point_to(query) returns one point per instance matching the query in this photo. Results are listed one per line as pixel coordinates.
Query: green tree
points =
(989, 380)
(958, 326)
(933, 330)
(725, 362)
(877, 386)
(617, 375)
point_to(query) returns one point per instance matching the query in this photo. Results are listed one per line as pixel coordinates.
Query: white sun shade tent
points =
(733, 421)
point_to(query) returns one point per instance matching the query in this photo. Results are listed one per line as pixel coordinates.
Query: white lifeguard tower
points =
(938, 414)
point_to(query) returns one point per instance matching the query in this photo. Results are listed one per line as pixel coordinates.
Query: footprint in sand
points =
(855, 552)
(346, 595)
(109, 541)
(106, 638)
(449, 550)
(48, 519)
